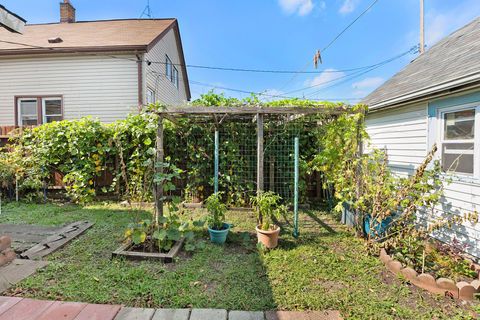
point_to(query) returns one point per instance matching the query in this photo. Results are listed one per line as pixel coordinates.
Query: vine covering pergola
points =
(258, 119)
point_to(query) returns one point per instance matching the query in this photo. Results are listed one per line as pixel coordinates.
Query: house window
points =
(150, 96)
(168, 68)
(32, 111)
(52, 109)
(175, 77)
(28, 112)
(458, 141)
(171, 72)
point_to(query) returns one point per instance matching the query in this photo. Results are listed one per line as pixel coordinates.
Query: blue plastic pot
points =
(219, 236)
(379, 228)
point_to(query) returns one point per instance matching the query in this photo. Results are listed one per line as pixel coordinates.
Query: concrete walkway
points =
(12, 308)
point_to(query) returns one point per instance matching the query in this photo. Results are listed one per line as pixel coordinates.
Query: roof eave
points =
(54, 50)
(426, 92)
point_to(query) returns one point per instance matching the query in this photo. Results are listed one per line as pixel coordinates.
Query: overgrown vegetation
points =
(89, 156)
(391, 211)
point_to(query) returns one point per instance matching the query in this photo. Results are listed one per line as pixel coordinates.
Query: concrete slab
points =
(27, 309)
(171, 314)
(62, 310)
(208, 314)
(135, 314)
(246, 315)
(303, 315)
(98, 312)
(18, 270)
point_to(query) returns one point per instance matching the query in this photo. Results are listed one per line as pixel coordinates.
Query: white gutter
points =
(427, 91)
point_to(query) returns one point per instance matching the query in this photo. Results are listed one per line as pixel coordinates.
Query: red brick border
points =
(460, 290)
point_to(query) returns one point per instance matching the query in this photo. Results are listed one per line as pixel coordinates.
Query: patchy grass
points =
(326, 268)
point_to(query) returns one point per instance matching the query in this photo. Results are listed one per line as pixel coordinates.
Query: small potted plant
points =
(267, 208)
(217, 228)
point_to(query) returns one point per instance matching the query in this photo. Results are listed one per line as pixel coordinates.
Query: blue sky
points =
(283, 34)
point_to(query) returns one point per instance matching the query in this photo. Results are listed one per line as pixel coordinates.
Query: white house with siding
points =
(436, 99)
(103, 69)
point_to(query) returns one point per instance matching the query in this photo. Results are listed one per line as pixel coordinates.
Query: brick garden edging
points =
(7, 255)
(443, 286)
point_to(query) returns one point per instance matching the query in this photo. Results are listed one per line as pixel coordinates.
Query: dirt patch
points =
(329, 285)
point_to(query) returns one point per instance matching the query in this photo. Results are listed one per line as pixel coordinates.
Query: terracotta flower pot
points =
(269, 238)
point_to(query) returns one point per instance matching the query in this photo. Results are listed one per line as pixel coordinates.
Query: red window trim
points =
(39, 105)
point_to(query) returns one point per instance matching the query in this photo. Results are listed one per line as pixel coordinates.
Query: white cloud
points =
(300, 7)
(324, 78)
(348, 6)
(368, 83)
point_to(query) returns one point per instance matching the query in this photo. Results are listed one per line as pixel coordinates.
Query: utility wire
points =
(371, 68)
(275, 71)
(348, 27)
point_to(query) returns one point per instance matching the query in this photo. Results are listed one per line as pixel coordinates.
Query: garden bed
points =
(128, 251)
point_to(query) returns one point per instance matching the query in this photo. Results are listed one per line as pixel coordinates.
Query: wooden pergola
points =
(217, 114)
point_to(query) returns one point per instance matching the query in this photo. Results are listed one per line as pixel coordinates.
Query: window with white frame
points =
(168, 68)
(171, 72)
(175, 77)
(32, 111)
(458, 140)
(150, 96)
(52, 109)
(27, 109)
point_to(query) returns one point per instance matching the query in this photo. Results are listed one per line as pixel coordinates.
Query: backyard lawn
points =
(326, 268)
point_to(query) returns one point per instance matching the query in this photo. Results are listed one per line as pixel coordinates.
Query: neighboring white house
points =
(436, 99)
(103, 69)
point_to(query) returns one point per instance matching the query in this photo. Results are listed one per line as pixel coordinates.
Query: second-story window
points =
(168, 68)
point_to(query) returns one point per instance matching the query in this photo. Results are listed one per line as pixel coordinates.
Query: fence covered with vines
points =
(92, 159)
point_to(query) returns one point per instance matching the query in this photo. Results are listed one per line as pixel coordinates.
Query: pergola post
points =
(358, 172)
(159, 155)
(260, 186)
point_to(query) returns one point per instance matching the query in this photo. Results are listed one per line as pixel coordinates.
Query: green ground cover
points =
(326, 268)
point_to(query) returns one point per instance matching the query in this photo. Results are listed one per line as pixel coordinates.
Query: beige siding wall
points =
(155, 78)
(97, 86)
(403, 132)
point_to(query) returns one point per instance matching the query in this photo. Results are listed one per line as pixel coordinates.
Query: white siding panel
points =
(97, 86)
(403, 132)
(155, 76)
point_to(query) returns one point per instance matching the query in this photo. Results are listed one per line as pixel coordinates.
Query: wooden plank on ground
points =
(56, 241)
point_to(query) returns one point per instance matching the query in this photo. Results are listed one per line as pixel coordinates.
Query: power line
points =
(233, 69)
(349, 25)
(359, 72)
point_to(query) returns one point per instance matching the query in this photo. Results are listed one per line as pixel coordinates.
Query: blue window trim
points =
(436, 106)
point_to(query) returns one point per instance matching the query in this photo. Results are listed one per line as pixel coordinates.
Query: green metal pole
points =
(296, 233)
(215, 178)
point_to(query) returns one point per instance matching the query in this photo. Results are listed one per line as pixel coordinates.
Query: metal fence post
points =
(216, 159)
(296, 233)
